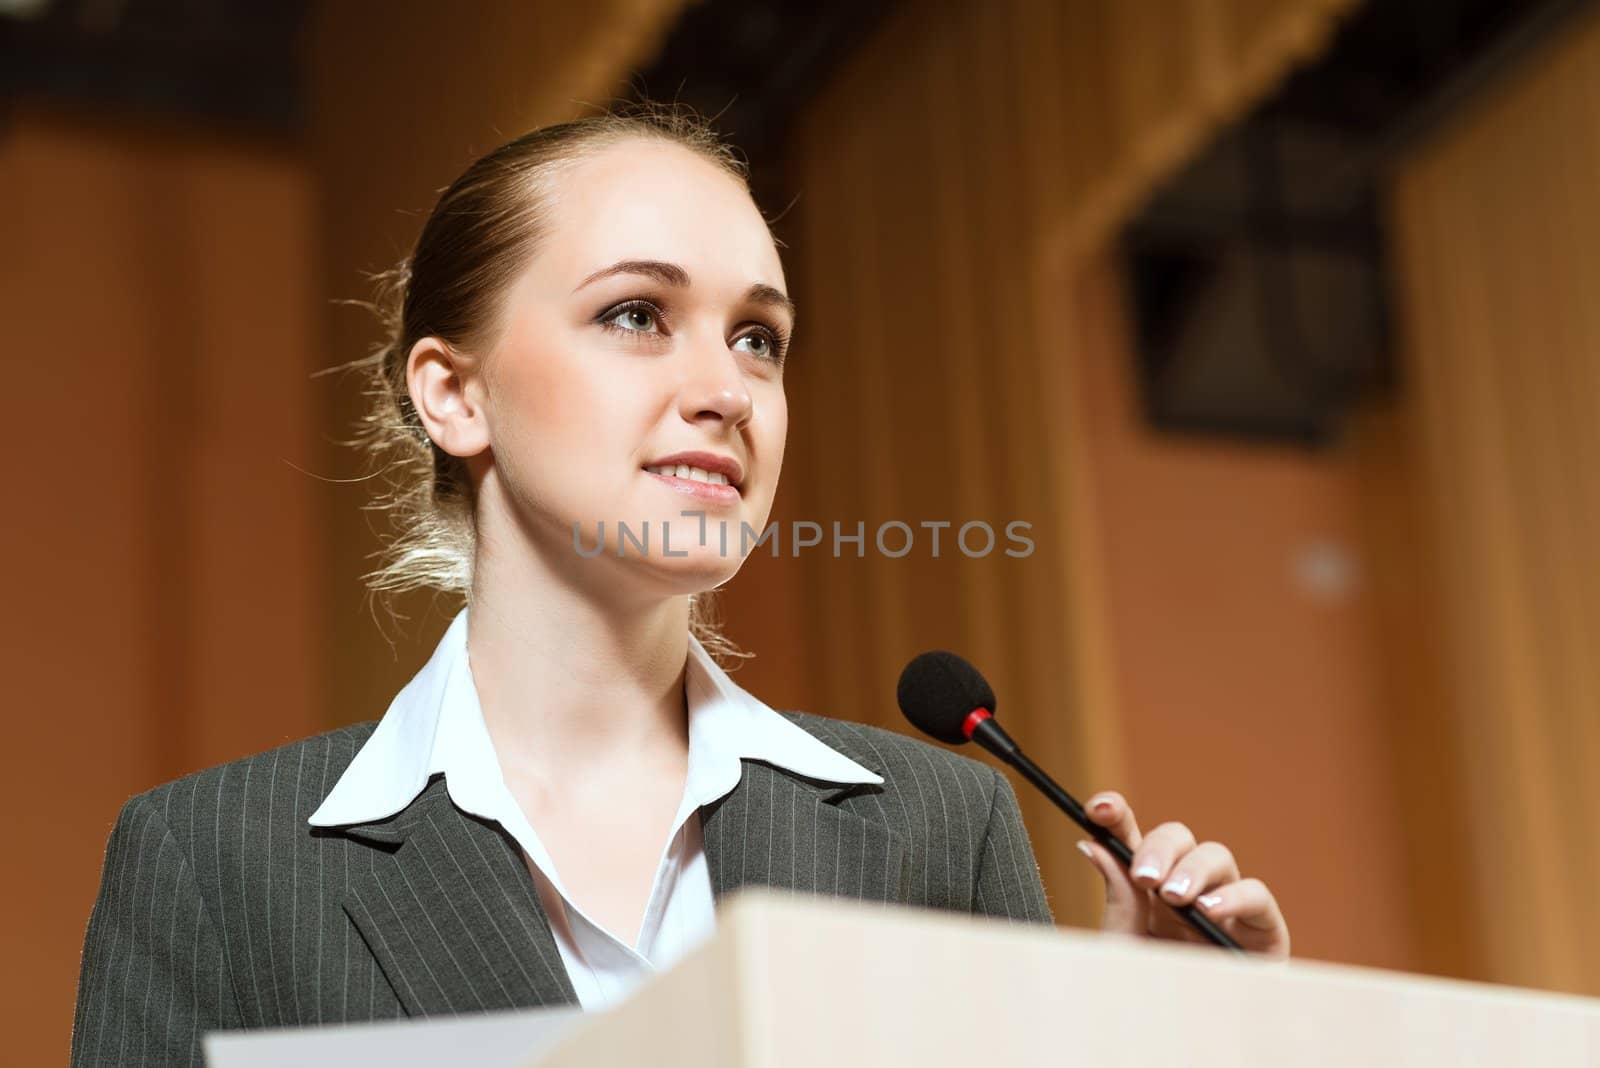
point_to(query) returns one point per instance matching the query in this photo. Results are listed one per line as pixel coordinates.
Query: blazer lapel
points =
(451, 913)
(782, 830)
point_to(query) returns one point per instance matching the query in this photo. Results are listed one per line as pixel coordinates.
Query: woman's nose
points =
(716, 389)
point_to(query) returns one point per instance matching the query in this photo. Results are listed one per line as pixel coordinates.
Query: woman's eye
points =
(634, 319)
(767, 345)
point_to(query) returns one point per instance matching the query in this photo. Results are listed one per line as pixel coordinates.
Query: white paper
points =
(512, 1039)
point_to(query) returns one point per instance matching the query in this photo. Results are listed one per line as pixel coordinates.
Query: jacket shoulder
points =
(966, 846)
(897, 757)
(284, 783)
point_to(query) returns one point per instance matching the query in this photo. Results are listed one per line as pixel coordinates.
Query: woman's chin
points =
(671, 555)
(696, 571)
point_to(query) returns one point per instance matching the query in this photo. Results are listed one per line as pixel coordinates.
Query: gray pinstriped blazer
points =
(220, 907)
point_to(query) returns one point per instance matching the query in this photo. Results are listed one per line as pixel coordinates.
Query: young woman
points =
(590, 331)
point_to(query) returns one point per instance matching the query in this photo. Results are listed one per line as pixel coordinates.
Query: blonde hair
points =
(483, 230)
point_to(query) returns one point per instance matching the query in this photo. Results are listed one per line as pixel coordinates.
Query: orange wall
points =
(1251, 705)
(163, 552)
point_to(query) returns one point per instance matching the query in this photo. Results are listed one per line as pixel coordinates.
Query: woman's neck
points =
(563, 674)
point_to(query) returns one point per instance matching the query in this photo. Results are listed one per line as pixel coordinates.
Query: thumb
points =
(1127, 905)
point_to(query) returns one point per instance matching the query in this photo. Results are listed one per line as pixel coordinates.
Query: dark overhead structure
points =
(1257, 274)
(754, 64)
(751, 63)
(226, 60)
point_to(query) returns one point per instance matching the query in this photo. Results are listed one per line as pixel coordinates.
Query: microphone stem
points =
(993, 738)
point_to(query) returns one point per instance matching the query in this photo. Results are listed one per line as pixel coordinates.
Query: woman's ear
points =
(442, 383)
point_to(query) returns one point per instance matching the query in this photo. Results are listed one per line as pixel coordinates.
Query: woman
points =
(590, 332)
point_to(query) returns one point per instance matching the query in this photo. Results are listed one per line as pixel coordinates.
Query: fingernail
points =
(1147, 871)
(1083, 847)
(1178, 886)
(1100, 808)
(1210, 901)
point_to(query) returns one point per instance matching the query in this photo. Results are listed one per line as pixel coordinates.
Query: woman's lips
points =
(700, 491)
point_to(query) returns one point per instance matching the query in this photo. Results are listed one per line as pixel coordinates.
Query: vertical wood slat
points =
(1048, 67)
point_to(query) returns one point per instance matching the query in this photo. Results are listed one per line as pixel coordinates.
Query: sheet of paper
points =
(511, 1039)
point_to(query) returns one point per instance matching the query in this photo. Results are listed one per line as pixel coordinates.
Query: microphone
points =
(947, 698)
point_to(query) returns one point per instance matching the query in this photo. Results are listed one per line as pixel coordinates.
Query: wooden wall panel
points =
(165, 552)
(1497, 230)
(946, 178)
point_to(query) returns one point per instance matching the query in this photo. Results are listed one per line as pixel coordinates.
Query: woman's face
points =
(650, 327)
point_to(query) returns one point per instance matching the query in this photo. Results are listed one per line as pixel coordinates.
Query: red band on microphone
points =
(975, 717)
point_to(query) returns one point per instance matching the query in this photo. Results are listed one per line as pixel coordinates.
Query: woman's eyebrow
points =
(761, 293)
(670, 274)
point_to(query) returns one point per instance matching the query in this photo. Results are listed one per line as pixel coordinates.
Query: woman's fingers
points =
(1110, 810)
(1158, 854)
(1127, 906)
(1247, 900)
(1170, 868)
(1249, 913)
(1206, 866)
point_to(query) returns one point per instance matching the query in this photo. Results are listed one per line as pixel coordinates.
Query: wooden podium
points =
(799, 982)
(791, 981)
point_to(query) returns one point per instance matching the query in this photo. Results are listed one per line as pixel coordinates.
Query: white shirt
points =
(435, 724)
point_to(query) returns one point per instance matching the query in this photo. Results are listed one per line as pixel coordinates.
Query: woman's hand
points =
(1168, 863)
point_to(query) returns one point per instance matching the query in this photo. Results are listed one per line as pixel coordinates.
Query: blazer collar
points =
(784, 831)
(436, 718)
(447, 904)
(449, 910)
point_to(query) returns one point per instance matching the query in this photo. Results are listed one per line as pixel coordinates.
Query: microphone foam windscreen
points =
(938, 691)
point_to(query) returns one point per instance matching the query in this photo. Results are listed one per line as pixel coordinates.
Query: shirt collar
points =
(727, 725)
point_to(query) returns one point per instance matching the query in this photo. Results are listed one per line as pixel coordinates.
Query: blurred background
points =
(1277, 320)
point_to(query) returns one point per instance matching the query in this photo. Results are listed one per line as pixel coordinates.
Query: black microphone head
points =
(938, 691)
